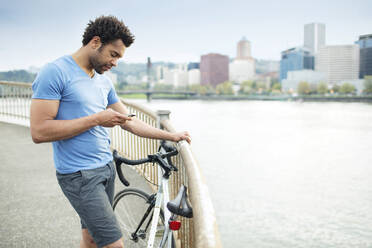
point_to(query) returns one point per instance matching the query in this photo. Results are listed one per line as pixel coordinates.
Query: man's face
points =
(106, 56)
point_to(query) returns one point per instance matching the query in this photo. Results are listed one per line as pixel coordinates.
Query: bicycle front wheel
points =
(130, 207)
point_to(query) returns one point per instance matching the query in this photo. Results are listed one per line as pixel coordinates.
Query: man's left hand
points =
(182, 136)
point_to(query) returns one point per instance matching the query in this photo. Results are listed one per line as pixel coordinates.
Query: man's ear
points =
(95, 42)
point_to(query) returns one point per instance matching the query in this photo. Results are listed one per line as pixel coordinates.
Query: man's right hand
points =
(111, 118)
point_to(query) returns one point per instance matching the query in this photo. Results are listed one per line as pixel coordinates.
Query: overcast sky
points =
(36, 32)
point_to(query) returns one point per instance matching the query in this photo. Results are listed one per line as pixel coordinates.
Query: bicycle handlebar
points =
(119, 160)
(128, 161)
(157, 158)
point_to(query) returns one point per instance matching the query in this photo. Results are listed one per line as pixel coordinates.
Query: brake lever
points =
(169, 160)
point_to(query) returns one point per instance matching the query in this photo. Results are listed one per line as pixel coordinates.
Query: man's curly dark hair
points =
(108, 29)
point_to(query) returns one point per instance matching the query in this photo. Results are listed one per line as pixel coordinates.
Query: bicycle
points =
(142, 210)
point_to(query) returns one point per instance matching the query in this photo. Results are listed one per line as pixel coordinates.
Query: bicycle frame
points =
(162, 197)
(160, 206)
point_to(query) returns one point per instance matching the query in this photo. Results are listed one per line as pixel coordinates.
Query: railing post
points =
(162, 115)
(148, 96)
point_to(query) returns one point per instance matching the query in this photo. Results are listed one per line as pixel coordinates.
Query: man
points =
(72, 103)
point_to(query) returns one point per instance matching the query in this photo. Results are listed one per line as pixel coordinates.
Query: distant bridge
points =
(149, 93)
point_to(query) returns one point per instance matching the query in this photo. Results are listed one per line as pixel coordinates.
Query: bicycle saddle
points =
(180, 205)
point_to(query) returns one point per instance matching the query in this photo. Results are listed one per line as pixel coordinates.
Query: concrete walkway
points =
(33, 210)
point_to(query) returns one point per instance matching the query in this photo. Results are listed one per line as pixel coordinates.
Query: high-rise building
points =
(193, 65)
(160, 71)
(265, 66)
(242, 68)
(338, 62)
(176, 77)
(243, 49)
(182, 67)
(365, 45)
(214, 69)
(314, 36)
(193, 76)
(294, 59)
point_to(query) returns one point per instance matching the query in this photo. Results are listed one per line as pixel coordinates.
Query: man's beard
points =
(97, 65)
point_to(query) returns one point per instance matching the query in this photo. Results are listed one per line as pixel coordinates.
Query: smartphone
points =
(131, 115)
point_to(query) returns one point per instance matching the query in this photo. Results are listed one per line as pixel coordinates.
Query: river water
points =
(283, 174)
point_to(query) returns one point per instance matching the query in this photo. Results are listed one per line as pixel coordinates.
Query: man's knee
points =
(116, 244)
(87, 240)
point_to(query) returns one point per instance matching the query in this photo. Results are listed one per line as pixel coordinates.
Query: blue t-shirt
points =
(79, 96)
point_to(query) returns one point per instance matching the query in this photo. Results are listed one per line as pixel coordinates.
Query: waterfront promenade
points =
(34, 212)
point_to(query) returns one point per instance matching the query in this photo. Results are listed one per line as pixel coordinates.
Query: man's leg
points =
(86, 240)
(87, 193)
(95, 209)
(110, 188)
(117, 244)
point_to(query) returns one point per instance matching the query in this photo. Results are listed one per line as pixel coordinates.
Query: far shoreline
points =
(301, 98)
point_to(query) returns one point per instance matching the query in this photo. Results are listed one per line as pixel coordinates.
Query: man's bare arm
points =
(44, 127)
(142, 129)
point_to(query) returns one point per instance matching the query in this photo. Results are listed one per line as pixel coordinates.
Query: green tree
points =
(225, 88)
(273, 81)
(194, 87)
(336, 88)
(277, 86)
(141, 86)
(17, 76)
(347, 88)
(163, 87)
(121, 85)
(202, 89)
(313, 88)
(368, 85)
(303, 88)
(261, 87)
(247, 87)
(322, 88)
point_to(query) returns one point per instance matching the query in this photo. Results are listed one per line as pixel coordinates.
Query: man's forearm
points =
(142, 129)
(53, 130)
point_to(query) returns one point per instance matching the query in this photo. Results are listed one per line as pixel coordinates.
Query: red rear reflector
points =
(174, 225)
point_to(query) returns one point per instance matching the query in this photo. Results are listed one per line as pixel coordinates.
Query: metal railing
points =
(15, 102)
(201, 230)
(206, 232)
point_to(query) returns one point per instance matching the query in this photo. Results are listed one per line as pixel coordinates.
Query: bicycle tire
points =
(130, 206)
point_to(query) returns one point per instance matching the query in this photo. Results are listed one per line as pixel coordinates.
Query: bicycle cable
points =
(153, 164)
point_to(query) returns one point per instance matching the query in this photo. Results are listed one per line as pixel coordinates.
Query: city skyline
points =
(38, 32)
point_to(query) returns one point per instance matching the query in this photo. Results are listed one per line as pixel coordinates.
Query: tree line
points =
(252, 87)
(18, 76)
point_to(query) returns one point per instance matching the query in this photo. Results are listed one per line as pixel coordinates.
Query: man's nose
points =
(114, 62)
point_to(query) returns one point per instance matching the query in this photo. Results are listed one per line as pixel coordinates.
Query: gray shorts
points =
(91, 194)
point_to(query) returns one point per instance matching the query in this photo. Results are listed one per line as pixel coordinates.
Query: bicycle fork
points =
(155, 217)
(162, 196)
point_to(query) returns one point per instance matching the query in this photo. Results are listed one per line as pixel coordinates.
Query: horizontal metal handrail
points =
(141, 108)
(11, 83)
(206, 232)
